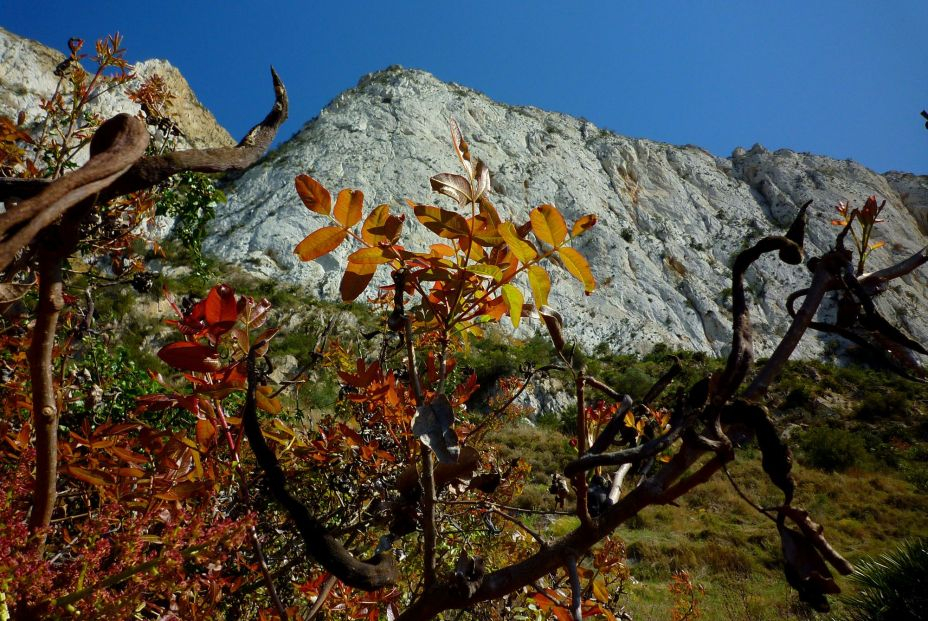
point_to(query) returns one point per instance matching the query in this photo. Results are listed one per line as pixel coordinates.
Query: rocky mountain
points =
(27, 75)
(670, 217)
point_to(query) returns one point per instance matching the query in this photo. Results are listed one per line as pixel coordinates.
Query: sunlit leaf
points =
(523, 251)
(355, 280)
(313, 194)
(483, 180)
(455, 186)
(442, 222)
(188, 356)
(578, 267)
(460, 146)
(548, 225)
(377, 255)
(348, 205)
(540, 282)
(482, 269)
(221, 308)
(583, 225)
(381, 225)
(320, 243)
(514, 300)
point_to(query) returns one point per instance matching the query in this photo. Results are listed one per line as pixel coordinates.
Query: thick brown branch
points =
(44, 404)
(377, 573)
(117, 144)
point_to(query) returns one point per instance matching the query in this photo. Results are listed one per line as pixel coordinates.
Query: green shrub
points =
(893, 587)
(832, 450)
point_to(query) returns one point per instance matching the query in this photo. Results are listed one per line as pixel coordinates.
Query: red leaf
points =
(221, 309)
(189, 356)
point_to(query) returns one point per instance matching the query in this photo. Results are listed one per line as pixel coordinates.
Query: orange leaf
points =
(189, 356)
(380, 226)
(583, 225)
(578, 267)
(355, 280)
(540, 282)
(320, 243)
(87, 476)
(313, 195)
(206, 433)
(548, 225)
(442, 222)
(348, 207)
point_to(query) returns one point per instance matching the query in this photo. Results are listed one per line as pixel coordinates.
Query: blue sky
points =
(844, 79)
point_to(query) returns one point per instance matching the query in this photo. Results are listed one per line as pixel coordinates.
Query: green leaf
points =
(514, 301)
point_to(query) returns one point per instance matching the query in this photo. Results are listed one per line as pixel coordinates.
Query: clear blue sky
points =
(844, 79)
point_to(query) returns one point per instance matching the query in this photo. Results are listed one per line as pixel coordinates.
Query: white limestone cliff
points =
(670, 218)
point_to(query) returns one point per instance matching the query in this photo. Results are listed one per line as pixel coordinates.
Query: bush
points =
(893, 587)
(832, 450)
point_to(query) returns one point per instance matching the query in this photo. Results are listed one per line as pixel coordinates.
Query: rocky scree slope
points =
(27, 75)
(670, 218)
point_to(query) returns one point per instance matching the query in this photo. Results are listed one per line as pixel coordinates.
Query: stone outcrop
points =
(670, 218)
(27, 75)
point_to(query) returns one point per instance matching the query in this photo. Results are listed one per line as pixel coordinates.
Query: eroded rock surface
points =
(670, 217)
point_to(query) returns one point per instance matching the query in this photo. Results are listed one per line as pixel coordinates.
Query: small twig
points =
(323, 595)
(541, 541)
(744, 496)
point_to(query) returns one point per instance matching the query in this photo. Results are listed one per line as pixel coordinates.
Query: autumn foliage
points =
(211, 496)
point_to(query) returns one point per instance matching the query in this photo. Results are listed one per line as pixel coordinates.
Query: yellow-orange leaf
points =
(313, 194)
(206, 433)
(442, 222)
(578, 267)
(442, 250)
(355, 280)
(266, 402)
(380, 226)
(93, 477)
(540, 282)
(523, 250)
(583, 225)
(320, 243)
(371, 256)
(548, 225)
(347, 210)
(514, 301)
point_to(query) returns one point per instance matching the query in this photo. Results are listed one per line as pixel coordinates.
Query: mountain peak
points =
(670, 218)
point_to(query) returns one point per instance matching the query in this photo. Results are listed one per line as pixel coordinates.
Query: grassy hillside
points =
(860, 439)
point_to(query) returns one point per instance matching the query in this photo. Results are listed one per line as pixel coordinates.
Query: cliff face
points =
(670, 218)
(27, 75)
